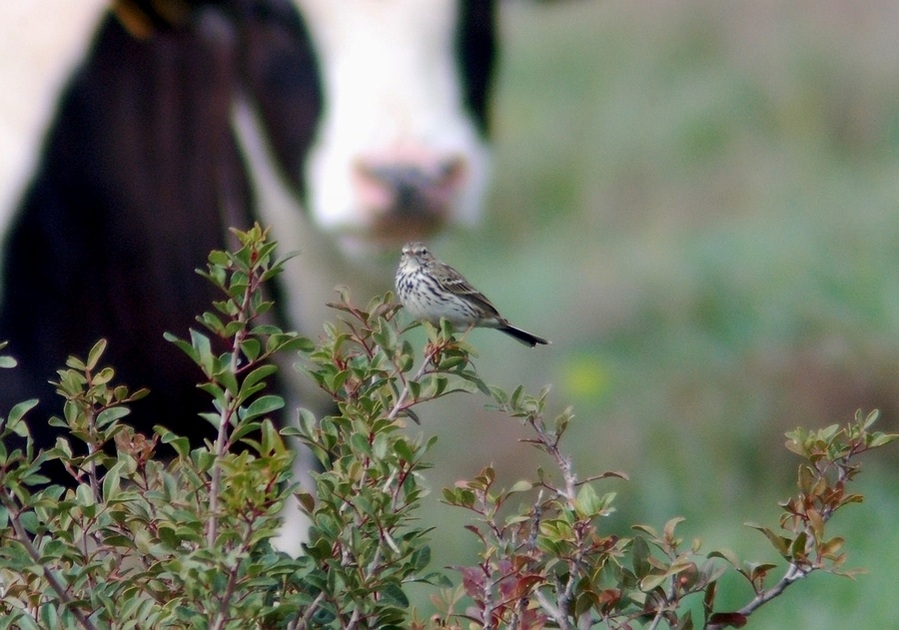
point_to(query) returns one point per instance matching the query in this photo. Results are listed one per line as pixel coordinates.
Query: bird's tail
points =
(523, 336)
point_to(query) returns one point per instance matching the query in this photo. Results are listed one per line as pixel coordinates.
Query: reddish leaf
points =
(732, 619)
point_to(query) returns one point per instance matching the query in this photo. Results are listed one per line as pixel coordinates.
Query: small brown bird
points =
(430, 289)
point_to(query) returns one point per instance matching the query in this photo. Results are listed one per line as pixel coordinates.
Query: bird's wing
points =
(456, 283)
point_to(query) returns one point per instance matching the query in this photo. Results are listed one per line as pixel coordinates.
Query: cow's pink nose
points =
(408, 188)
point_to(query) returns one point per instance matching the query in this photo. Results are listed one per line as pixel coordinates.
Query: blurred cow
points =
(348, 126)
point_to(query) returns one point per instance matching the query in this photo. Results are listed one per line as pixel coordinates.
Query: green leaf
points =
(686, 622)
(212, 322)
(219, 258)
(521, 486)
(84, 495)
(435, 578)
(245, 428)
(653, 581)
(112, 481)
(18, 412)
(182, 345)
(670, 526)
(421, 558)
(403, 451)
(726, 554)
(360, 444)
(251, 348)
(877, 440)
(393, 594)
(49, 617)
(262, 406)
(307, 422)
(177, 442)
(203, 348)
(259, 375)
(30, 522)
(588, 504)
(640, 554)
(781, 544)
(646, 529)
(93, 357)
(870, 419)
(111, 414)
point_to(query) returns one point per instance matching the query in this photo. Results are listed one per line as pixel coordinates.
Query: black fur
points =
(139, 179)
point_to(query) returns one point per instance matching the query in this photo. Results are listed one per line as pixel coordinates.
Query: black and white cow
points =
(347, 126)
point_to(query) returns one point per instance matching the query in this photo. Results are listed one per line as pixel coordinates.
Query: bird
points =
(429, 290)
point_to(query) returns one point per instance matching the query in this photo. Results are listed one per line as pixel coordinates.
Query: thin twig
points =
(793, 574)
(401, 399)
(225, 418)
(231, 587)
(303, 622)
(657, 619)
(25, 540)
(569, 492)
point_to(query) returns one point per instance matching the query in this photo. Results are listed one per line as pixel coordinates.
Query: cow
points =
(348, 127)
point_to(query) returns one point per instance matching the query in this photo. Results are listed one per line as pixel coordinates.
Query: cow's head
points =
(397, 147)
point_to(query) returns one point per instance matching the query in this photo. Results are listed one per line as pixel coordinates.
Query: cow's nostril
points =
(410, 189)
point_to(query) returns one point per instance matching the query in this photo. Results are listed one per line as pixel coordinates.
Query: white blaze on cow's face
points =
(396, 156)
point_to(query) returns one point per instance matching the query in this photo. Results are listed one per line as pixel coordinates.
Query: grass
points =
(697, 202)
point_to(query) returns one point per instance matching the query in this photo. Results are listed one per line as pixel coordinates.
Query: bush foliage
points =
(135, 542)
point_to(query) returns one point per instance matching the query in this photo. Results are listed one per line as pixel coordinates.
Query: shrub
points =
(136, 542)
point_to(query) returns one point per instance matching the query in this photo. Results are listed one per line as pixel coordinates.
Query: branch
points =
(303, 622)
(793, 574)
(25, 541)
(401, 399)
(222, 617)
(226, 413)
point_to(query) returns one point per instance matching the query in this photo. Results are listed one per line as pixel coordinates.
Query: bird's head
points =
(415, 254)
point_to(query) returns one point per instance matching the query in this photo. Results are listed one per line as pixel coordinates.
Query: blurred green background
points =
(698, 202)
